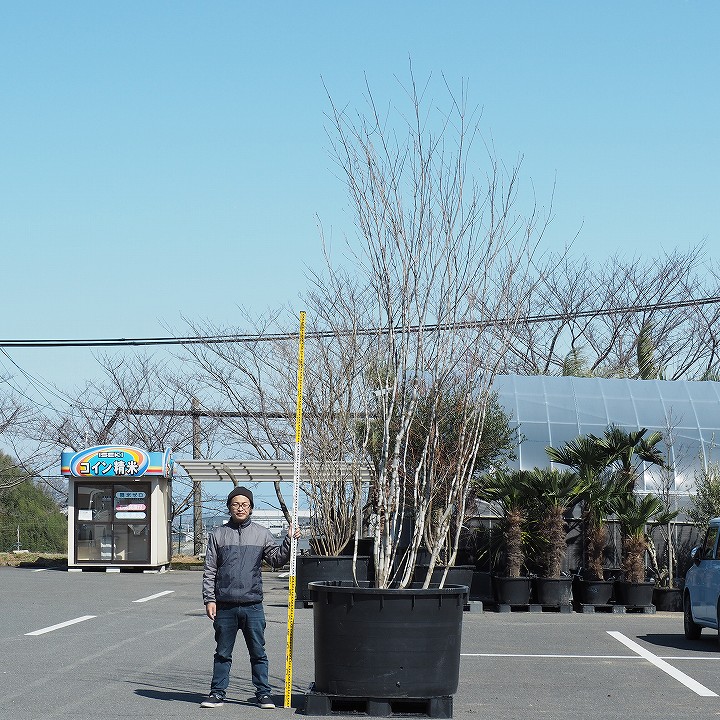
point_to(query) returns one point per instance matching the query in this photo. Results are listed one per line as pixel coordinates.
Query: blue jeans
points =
(251, 620)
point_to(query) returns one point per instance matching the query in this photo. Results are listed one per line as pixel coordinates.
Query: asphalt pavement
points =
(117, 645)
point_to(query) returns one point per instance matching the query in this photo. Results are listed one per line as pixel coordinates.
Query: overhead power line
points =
(430, 327)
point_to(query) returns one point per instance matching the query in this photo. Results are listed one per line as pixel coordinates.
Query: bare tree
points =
(423, 315)
(251, 386)
(445, 272)
(139, 401)
(14, 417)
(259, 380)
(610, 313)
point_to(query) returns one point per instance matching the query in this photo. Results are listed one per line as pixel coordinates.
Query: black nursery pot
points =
(667, 599)
(595, 592)
(634, 594)
(511, 590)
(456, 574)
(387, 643)
(312, 568)
(553, 591)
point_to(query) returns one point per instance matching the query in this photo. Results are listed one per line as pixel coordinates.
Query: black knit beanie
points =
(241, 491)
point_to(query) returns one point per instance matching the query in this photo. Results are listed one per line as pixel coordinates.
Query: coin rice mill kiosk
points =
(119, 508)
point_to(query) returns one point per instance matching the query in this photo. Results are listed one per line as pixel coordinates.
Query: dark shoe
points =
(213, 700)
(266, 702)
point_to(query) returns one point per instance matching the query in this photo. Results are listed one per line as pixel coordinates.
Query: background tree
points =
(629, 317)
(16, 415)
(705, 500)
(138, 401)
(258, 379)
(28, 512)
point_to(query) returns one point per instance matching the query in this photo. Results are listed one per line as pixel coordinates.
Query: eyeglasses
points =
(240, 506)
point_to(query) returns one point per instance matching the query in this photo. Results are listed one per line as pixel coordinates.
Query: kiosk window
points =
(112, 523)
(94, 503)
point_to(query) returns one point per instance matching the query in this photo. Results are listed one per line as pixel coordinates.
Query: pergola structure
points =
(251, 471)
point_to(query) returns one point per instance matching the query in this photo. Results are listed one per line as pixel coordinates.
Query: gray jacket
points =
(233, 562)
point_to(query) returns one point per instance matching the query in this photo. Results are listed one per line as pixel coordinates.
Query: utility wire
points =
(37, 383)
(430, 327)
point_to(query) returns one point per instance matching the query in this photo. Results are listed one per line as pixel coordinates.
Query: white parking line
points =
(559, 656)
(680, 676)
(152, 597)
(61, 625)
(555, 657)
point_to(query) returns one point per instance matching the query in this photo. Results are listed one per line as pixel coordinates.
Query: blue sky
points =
(170, 159)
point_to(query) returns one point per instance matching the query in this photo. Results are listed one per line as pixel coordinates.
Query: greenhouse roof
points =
(553, 410)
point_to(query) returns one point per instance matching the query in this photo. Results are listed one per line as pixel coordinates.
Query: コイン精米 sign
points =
(116, 461)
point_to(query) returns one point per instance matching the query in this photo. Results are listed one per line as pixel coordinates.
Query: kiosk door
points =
(113, 521)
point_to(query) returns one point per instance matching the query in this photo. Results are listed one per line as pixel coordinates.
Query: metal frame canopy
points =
(252, 471)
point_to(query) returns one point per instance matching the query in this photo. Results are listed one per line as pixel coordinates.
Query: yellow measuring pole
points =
(296, 484)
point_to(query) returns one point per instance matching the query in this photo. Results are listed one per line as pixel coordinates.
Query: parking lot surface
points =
(118, 645)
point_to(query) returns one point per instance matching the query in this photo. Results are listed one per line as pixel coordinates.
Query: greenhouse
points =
(553, 410)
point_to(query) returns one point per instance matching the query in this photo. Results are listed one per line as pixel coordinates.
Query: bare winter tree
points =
(444, 268)
(14, 418)
(251, 390)
(601, 319)
(258, 379)
(138, 402)
(413, 329)
(18, 417)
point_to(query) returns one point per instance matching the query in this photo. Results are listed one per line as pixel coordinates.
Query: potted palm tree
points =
(509, 493)
(628, 451)
(553, 495)
(634, 515)
(589, 459)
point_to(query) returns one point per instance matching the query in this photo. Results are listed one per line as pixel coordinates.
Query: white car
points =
(701, 598)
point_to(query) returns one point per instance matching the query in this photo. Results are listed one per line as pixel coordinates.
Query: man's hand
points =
(211, 610)
(295, 534)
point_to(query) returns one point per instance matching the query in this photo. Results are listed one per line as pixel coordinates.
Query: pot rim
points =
(367, 588)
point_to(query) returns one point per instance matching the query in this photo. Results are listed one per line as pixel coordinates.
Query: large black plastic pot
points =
(667, 599)
(482, 588)
(594, 592)
(394, 643)
(634, 594)
(456, 575)
(553, 591)
(311, 568)
(511, 590)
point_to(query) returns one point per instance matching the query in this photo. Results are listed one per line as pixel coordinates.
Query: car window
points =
(708, 552)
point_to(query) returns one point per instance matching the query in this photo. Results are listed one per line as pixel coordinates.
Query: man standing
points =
(232, 593)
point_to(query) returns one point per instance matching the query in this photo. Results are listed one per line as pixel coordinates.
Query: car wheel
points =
(692, 629)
